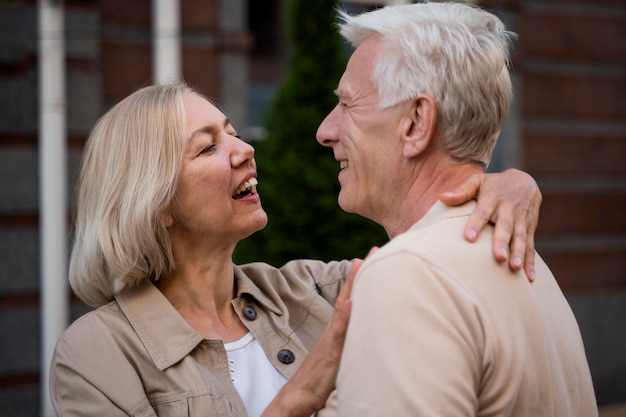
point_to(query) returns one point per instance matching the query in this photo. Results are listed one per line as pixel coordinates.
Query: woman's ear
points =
(420, 126)
(165, 219)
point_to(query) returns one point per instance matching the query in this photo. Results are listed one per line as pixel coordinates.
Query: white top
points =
(253, 375)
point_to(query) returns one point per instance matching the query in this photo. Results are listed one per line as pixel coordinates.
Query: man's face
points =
(365, 140)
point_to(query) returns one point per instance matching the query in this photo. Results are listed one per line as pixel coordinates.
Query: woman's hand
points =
(511, 201)
(308, 390)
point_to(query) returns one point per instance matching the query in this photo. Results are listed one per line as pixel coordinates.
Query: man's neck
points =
(424, 193)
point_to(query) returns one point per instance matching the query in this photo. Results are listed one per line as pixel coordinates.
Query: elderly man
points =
(438, 327)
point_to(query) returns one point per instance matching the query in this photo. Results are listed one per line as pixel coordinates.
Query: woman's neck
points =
(201, 290)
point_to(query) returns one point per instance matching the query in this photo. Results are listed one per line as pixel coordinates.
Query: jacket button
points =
(286, 356)
(249, 312)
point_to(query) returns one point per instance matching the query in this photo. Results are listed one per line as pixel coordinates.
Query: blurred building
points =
(567, 128)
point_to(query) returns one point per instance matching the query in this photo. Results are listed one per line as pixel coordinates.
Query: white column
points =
(52, 184)
(166, 45)
(233, 66)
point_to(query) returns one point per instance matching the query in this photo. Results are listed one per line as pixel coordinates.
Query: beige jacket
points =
(137, 356)
(439, 328)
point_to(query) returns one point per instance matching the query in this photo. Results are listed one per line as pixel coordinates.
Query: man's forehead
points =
(356, 82)
(362, 61)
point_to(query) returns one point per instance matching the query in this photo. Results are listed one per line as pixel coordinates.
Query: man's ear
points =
(420, 125)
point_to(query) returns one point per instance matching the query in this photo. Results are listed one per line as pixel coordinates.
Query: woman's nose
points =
(243, 153)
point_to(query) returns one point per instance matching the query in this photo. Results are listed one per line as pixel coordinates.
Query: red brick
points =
(19, 220)
(500, 4)
(240, 42)
(81, 4)
(199, 15)
(574, 96)
(127, 66)
(135, 13)
(18, 140)
(586, 270)
(82, 66)
(201, 69)
(17, 68)
(588, 3)
(518, 4)
(584, 212)
(19, 300)
(13, 380)
(574, 155)
(577, 38)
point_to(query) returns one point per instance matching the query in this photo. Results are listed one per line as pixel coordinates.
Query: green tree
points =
(298, 177)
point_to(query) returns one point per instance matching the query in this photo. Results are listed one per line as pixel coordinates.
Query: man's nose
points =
(327, 131)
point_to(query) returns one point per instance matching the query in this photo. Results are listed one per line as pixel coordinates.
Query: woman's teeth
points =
(249, 185)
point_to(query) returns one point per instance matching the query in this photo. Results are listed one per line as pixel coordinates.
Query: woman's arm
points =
(511, 200)
(310, 387)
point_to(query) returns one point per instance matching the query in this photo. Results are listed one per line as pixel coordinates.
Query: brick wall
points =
(572, 67)
(570, 64)
(108, 48)
(19, 251)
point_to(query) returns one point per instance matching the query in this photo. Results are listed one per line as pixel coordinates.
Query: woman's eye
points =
(208, 149)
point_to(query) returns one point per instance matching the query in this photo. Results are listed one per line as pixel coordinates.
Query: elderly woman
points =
(167, 189)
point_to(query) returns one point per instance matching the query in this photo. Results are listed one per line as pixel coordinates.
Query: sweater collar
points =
(440, 211)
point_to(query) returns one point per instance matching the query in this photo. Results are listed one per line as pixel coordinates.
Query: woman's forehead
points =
(202, 117)
(201, 112)
(197, 104)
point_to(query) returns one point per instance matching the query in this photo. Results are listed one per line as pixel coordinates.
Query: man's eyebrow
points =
(209, 129)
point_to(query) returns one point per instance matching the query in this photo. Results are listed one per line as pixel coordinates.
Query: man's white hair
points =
(458, 53)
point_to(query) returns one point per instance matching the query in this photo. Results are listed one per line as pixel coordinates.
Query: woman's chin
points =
(259, 224)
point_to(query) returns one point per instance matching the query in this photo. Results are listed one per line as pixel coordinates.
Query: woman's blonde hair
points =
(455, 52)
(128, 178)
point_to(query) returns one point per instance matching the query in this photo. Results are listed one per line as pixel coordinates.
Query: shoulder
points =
(437, 244)
(100, 331)
(297, 273)
(304, 288)
(436, 258)
(97, 363)
(409, 275)
(99, 345)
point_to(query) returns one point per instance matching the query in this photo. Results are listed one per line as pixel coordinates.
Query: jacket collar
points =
(166, 335)
(246, 286)
(163, 331)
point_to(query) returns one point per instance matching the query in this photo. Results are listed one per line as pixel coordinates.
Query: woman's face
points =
(216, 199)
